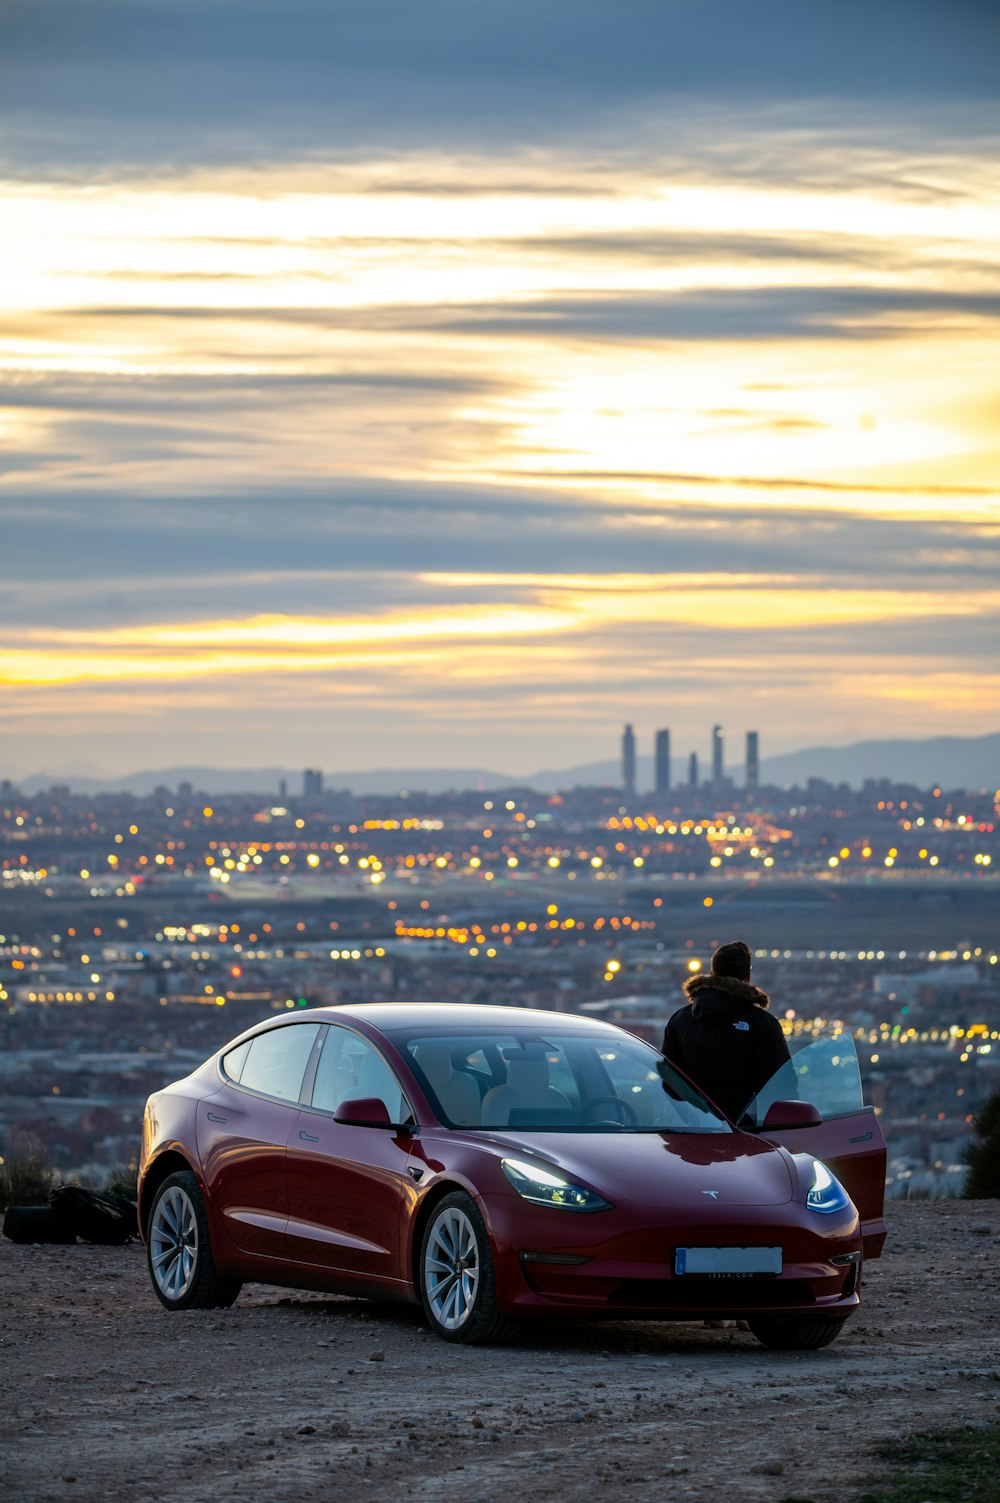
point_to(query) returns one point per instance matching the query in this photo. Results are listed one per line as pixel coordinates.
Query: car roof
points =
(388, 1016)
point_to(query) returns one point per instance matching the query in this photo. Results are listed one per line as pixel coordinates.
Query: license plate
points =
(727, 1260)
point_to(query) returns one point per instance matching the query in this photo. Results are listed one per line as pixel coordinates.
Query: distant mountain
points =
(951, 761)
(268, 780)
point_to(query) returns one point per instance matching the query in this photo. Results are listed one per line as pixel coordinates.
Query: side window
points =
(276, 1062)
(350, 1068)
(825, 1073)
(233, 1062)
(635, 1081)
(477, 1064)
(561, 1077)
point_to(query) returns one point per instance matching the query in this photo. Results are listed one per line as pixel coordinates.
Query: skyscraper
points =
(718, 770)
(628, 761)
(312, 783)
(693, 770)
(753, 762)
(662, 761)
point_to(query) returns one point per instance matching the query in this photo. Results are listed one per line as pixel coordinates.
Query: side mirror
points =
(363, 1111)
(791, 1114)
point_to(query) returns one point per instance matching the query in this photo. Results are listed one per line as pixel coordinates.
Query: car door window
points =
(825, 1073)
(276, 1062)
(634, 1079)
(349, 1069)
(233, 1062)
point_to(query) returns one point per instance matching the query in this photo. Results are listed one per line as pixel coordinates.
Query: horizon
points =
(481, 381)
(645, 769)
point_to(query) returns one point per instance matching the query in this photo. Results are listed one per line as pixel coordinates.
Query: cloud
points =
(821, 312)
(287, 546)
(221, 80)
(59, 391)
(494, 371)
(711, 315)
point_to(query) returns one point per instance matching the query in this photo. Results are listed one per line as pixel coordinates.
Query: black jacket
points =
(725, 1040)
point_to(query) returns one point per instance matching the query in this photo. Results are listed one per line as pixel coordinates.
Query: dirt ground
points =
(106, 1397)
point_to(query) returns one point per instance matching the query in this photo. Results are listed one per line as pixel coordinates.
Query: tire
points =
(796, 1333)
(456, 1278)
(179, 1251)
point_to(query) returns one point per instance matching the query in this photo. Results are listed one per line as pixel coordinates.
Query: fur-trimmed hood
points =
(697, 988)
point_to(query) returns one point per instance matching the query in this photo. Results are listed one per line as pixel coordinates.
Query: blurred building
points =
(662, 762)
(628, 761)
(753, 762)
(718, 767)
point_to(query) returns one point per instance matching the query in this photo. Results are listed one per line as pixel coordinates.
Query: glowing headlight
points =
(827, 1194)
(544, 1188)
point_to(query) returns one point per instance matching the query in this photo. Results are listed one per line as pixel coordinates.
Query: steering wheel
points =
(629, 1114)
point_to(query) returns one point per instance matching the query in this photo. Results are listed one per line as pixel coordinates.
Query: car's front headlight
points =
(545, 1188)
(827, 1194)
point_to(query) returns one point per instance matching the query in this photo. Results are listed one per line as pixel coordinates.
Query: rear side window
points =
(233, 1062)
(276, 1062)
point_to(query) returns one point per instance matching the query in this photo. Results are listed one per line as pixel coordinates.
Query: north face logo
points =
(743, 1027)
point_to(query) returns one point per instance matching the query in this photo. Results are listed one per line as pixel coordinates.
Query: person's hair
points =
(733, 959)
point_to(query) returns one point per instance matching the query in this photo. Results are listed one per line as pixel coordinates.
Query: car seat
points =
(527, 1089)
(456, 1090)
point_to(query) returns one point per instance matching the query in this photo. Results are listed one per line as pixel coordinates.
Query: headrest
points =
(435, 1060)
(527, 1074)
(373, 1076)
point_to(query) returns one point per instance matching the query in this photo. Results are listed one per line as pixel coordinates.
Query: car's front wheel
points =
(457, 1282)
(179, 1252)
(795, 1333)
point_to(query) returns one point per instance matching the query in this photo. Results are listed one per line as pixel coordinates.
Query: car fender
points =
(150, 1178)
(445, 1166)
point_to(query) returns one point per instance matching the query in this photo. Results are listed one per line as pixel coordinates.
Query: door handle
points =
(213, 1118)
(307, 1137)
(864, 1137)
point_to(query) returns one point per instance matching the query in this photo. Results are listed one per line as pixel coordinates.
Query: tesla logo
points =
(714, 1193)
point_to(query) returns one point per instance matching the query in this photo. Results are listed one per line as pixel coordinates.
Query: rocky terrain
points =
(106, 1398)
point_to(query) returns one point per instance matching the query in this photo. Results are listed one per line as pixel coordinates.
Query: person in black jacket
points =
(724, 1038)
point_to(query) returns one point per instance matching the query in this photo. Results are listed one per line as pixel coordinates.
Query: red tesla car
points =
(494, 1163)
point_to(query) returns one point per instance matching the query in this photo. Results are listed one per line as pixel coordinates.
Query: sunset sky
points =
(443, 384)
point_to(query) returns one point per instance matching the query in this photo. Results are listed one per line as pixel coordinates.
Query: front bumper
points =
(620, 1263)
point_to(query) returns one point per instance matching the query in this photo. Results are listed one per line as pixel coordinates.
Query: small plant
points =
(26, 1172)
(982, 1154)
(949, 1466)
(123, 1180)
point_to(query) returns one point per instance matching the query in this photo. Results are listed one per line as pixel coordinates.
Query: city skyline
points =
(475, 384)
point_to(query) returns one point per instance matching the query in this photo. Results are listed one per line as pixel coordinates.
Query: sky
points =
(448, 384)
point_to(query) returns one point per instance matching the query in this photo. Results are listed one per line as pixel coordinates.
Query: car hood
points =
(662, 1169)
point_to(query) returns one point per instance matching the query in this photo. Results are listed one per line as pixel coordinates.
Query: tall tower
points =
(693, 770)
(662, 761)
(718, 770)
(753, 762)
(628, 761)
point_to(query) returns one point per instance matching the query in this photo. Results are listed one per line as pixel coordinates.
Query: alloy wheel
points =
(451, 1268)
(173, 1243)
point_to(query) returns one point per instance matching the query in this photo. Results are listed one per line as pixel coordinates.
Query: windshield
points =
(825, 1073)
(554, 1081)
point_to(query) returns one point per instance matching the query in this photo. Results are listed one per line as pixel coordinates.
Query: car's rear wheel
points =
(457, 1282)
(179, 1252)
(795, 1333)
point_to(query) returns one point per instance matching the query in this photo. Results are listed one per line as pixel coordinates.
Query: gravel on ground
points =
(108, 1398)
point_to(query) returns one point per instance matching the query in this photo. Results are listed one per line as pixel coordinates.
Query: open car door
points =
(848, 1140)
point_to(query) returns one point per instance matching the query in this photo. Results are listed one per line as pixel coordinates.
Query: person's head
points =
(733, 960)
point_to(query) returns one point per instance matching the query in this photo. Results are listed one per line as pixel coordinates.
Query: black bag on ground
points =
(26, 1224)
(107, 1219)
